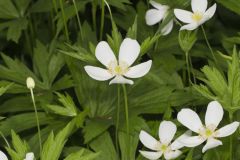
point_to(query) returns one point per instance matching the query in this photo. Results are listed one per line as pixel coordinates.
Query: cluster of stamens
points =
(197, 16)
(116, 68)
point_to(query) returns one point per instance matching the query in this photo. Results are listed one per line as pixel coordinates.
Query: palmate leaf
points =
(80, 155)
(225, 90)
(68, 107)
(104, 145)
(53, 146)
(20, 148)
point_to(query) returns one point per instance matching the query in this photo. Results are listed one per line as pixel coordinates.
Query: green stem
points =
(117, 121)
(191, 65)
(64, 20)
(231, 139)
(208, 44)
(78, 18)
(102, 19)
(37, 121)
(4, 138)
(188, 68)
(127, 117)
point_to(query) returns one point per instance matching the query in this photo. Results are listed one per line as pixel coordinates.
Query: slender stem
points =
(37, 121)
(188, 68)
(4, 138)
(102, 19)
(64, 20)
(231, 139)
(110, 12)
(78, 18)
(191, 65)
(117, 121)
(208, 44)
(127, 117)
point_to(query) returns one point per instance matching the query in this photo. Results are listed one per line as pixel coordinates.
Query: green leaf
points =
(104, 145)
(80, 155)
(132, 32)
(232, 5)
(22, 5)
(68, 107)
(8, 10)
(98, 125)
(20, 147)
(57, 142)
(15, 29)
(187, 39)
(22, 122)
(4, 88)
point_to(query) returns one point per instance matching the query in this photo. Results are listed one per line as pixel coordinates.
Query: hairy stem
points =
(127, 116)
(37, 121)
(188, 68)
(102, 19)
(78, 18)
(117, 121)
(4, 138)
(208, 44)
(64, 21)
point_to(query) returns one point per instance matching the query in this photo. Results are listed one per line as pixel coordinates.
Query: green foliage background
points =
(51, 41)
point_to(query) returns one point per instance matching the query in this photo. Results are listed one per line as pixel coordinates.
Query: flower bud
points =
(30, 83)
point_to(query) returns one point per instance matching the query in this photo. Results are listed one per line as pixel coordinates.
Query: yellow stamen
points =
(197, 16)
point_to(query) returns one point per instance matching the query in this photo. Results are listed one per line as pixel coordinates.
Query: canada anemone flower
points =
(121, 68)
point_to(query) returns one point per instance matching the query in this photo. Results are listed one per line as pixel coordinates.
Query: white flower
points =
(209, 132)
(29, 156)
(3, 156)
(118, 69)
(30, 83)
(167, 130)
(153, 16)
(196, 18)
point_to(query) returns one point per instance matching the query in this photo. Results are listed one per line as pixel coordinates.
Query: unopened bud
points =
(30, 83)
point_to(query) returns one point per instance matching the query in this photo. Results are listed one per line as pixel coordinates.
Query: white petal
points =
(167, 29)
(120, 80)
(139, 70)
(211, 143)
(129, 51)
(97, 73)
(172, 154)
(167, 130)
(210, 12)
(227, 130)
(189, 27)
(192, 141)
(29, 156)
(148, 141)
(159, 6)
(153, 16)
(3, 156)
(199, 5)
(214, 114)
(177, 143)
(151, 155)
(190, 119)
(183, 15)
(104, 53)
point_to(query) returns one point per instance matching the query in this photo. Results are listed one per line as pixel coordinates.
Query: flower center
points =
(207, 132)
(164, 147)
(116, 68)
(197, 16)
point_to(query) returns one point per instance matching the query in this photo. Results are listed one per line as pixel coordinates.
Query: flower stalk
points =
(30, 86)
